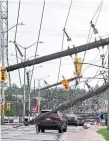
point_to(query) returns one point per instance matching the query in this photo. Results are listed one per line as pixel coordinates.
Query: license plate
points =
(47, 119)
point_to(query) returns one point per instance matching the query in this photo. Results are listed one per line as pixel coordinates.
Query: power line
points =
(57, 55)
(15, 41)
(38, 40)
(63, 41)
(88, 39)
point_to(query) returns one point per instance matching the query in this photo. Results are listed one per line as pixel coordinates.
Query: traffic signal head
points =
(8, 106)
(78, 65)
(65, 84)
(38, 100)
(3, 73)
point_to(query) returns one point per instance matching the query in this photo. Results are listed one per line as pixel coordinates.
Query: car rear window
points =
(54, 114)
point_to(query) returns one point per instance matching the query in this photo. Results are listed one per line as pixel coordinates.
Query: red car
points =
(56, 121)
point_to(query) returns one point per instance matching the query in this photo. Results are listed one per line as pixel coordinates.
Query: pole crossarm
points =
(59, 83)
(66, 105)
(57, 55)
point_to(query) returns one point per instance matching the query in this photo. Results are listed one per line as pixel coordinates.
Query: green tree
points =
(11, 112)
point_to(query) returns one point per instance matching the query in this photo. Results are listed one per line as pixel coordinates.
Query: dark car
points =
(72, 119)
(56, 121)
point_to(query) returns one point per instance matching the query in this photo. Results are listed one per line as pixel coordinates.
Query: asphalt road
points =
(28, 133)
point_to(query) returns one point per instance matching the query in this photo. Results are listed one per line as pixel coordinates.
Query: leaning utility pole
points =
(108, 92)
(70, 51)
(66, 105)
(59, 83)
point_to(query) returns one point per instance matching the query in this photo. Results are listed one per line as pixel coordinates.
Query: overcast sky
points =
(55, 14)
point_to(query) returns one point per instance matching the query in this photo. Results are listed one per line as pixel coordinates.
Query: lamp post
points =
(29, 104)
(39, 94)
(25, 54)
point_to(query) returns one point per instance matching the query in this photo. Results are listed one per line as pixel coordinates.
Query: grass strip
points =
(104, 133)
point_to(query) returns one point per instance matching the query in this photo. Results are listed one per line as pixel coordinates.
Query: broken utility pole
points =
(59, 83)
(70, 51)
(66, 105)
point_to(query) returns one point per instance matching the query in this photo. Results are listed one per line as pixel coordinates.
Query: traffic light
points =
(3, 73)
(65, 84)
(8, 106)
(1, 108)
(78, 66)
(38, 100)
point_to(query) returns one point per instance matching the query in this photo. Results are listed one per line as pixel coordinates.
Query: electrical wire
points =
(88, 39)
(15, 41)
(63, 41)
(38, 40)
(97, 20)
(95, 62)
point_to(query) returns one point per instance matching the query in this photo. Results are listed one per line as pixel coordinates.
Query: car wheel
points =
(42, 130)
(65, 128)
(60, 130)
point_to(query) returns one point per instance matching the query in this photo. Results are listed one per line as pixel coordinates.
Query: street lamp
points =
(39, 79)
(25, 48)
(29, 104)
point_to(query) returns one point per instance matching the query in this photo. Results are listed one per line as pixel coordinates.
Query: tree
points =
(11, 112)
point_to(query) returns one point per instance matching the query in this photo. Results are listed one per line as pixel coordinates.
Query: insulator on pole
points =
(93, 27)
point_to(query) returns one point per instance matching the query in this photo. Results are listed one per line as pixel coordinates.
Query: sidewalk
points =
(81, 134)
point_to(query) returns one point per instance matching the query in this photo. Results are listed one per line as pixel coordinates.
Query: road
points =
(28, 133)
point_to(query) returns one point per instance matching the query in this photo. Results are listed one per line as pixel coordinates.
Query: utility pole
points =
(39, 96)
(108, 92)
(71, 51)
(24, 87)
(29, 98)
(2, 92)
(34, 86)
(66, 105)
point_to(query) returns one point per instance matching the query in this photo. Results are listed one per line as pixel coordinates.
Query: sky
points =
(54, 18)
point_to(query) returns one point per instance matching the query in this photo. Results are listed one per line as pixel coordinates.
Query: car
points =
(72, 119)
(56, 121)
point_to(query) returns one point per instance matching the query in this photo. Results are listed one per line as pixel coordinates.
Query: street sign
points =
(35, 109)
